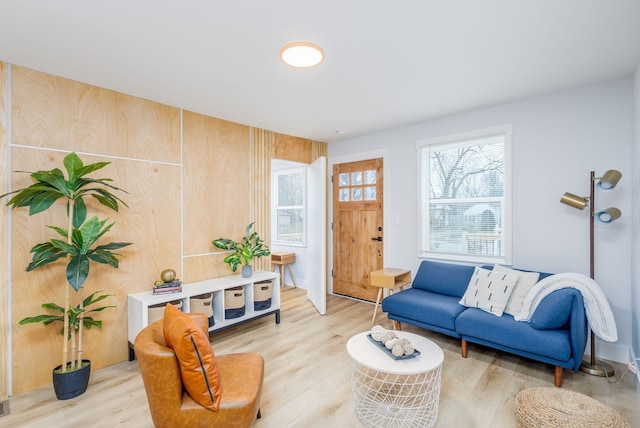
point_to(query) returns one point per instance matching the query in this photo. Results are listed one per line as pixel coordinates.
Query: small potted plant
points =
(243, 251)
(78, 247)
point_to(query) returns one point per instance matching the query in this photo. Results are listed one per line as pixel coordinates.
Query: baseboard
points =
(610, 352)
(632, 357)
(4, 408)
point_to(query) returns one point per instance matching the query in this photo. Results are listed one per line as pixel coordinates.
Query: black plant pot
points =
(72, 383)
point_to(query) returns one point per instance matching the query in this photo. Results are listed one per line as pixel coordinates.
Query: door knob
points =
(377, 238)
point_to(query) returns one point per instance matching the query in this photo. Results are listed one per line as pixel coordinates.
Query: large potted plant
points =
(78, 247)
(242, 252)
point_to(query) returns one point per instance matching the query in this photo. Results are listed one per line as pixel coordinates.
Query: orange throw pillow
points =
(195, 356)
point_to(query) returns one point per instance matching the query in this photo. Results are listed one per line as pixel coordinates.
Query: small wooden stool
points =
(389, 278)
(281, 260)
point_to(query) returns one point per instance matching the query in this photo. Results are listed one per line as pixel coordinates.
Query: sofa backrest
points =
(449, 279)
(543, 275)
(443, 278)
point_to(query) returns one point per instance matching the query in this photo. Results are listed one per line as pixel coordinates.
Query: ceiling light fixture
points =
(302, 54)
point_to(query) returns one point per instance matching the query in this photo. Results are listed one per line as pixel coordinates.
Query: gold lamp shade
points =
(609, 215)
(610, 179)
(575, 201)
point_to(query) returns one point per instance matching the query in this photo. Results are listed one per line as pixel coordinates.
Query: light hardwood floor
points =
(307, 380)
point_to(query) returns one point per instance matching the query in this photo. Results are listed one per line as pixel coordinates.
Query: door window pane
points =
(370, 193)
(356, 178)
(356, 194)
(344, 195)
(343, 179)
(370, 176)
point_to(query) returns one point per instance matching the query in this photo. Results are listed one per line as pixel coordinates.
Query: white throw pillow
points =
(526, 281)
(489, 290)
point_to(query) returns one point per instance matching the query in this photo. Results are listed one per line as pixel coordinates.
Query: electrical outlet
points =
(632, 367)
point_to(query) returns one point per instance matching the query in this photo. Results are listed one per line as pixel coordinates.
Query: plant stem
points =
(79, 362)
(67, 296)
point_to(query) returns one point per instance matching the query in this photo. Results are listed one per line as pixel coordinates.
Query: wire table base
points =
(383, 398)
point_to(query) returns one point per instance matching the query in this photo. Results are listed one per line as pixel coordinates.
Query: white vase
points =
(247, 271)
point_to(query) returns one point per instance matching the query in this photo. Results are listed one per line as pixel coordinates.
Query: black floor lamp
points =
(607, 181)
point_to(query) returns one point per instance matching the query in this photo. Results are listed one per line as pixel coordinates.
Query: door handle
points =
(377, 238)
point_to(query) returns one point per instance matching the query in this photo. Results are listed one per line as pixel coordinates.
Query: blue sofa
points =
(556, 334)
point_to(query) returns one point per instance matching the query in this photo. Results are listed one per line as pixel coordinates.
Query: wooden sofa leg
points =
(463, 345)
(397, 326)
(557, 379)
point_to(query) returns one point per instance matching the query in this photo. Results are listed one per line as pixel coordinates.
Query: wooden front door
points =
(357, 227)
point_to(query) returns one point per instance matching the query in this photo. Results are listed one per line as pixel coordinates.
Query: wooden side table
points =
(389, 278)
(281, 260)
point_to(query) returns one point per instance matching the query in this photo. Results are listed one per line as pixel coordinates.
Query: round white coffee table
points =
(394, 393)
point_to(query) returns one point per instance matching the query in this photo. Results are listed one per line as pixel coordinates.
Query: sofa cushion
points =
(526, 280)
(554, 311)
(489, 290)
(448, 279)
(511, 334)
(196, 359)
(425, 307)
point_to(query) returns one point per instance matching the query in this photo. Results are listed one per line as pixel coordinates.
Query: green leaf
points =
(44, 318)
(89, 322)
(92, 298)
(88, 169)
(55, 178)
(79, 212)
(104, 257)
(77, 271)
(91, 231)
(44, 257)
(248, 228)
(107, 201)
(24, 196)
(72, 163)
(64, 247)
(42, 201)
(62, 232)
(53, 307)
(112, 246)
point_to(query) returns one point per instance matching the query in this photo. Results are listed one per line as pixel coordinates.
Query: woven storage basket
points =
(202, 304)
(554, 407)
(233, 302)
(262, 295)
(156, 312)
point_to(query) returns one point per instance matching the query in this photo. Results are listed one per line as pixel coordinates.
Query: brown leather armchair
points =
(241, 377)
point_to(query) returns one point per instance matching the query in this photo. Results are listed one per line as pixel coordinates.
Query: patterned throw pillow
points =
(526, 281)
(489, 290)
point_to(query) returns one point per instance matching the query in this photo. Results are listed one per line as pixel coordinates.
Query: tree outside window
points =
(463, 202)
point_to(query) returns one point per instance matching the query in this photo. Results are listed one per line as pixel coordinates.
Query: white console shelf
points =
(138, 303)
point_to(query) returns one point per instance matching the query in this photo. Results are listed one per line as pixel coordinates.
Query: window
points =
(289, 189)
(464, 192)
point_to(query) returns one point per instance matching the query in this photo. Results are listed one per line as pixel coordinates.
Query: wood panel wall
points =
(4, 338)
(190, 179)
(261, 155)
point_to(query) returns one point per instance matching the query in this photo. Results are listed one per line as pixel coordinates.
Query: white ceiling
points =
(388, 63)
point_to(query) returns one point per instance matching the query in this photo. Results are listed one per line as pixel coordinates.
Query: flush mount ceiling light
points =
(301, 54)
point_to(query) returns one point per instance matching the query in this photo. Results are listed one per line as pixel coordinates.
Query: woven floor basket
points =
(555, 407)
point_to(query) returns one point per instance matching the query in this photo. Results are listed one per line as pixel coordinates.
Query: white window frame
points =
(274, 206)
(423, 220)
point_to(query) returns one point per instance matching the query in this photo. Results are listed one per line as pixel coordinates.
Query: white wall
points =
(557, 140)
(635, 249)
